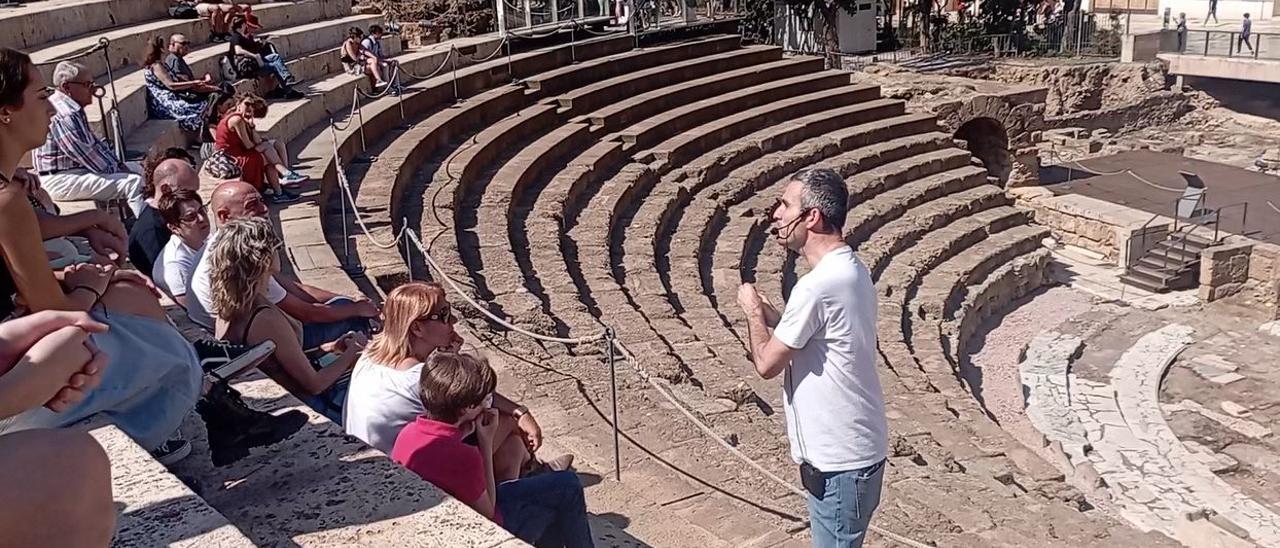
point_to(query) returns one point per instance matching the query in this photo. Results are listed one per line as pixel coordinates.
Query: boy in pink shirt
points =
(547, 510)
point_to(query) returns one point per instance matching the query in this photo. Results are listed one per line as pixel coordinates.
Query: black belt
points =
(51, 172)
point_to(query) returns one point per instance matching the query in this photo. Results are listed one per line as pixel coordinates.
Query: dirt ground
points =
(1226, 333)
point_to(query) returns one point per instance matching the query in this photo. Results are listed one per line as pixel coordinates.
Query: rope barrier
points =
(102, 44)
(346, 189)
(497, 49)
(508, 325)
(1126, 171)
(443, 63)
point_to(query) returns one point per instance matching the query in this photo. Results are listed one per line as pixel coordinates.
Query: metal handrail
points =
(1244, 218)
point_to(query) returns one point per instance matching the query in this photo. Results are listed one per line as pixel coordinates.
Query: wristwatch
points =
(519, 411)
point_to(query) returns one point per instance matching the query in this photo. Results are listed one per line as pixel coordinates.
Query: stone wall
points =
(1157, 108)
(1085, 222)
(1077, 87)
(1224, 270)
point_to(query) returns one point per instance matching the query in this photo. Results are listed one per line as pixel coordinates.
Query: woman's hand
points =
(19, 334)
(92, 276)
(107, 243)
(69, 355)
(351, 343)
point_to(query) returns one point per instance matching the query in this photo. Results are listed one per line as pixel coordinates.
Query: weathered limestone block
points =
(1224, 270)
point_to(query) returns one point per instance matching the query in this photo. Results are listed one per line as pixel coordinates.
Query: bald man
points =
(325, 316)
(149, 234)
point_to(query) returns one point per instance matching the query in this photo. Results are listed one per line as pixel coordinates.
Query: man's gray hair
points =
(825, 192)
(66, 71)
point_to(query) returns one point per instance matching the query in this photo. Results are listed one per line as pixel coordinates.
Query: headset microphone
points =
(791, 226)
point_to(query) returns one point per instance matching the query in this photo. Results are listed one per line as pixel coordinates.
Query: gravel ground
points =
(999, 347)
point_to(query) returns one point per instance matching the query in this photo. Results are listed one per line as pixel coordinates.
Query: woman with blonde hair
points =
(245, 257)
(417, 321)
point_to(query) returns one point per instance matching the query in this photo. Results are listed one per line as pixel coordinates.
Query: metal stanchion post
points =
(408, 253)
(609, 338)
(573, 43)
(453, 61)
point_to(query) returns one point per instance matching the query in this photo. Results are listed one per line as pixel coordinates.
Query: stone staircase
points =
(636, 197)
(1172, 264)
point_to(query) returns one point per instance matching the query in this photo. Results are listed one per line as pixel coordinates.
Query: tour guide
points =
(825, 343)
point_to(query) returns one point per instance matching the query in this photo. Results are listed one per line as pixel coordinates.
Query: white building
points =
(857, 32)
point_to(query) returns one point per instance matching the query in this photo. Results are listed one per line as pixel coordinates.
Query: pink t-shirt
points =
(435, 451)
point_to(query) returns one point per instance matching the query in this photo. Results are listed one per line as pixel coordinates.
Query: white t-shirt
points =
(174, 268)
(380, 401)
(832, 395)
(200, 309)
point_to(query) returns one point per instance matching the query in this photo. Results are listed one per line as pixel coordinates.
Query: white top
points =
(380, 401)
(832, 395)
(200, 308)
(176, 265)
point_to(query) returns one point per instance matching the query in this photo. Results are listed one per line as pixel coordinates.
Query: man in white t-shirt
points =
(325, 316)
(824, 342)
(184, 214)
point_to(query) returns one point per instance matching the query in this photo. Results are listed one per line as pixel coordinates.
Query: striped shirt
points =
(72, 144)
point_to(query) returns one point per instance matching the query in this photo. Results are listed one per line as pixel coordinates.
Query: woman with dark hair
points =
(169, 98)
(273, 75)
(147, 398)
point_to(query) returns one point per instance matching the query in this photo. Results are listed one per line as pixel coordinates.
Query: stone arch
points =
(988, 140)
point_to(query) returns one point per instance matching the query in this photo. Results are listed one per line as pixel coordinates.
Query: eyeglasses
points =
(202, 213)
(88, 85)
(443, 316)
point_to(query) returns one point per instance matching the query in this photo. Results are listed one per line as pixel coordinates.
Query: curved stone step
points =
(636, 108)
(611, 91)
(33, 26)
(650, 131)
(586, 73)
(156, 508)
(895, 236)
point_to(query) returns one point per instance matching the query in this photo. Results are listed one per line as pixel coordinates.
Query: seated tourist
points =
(271, 64)
(457, 393)
(174, 96)
(150, 233)
(146, 398)
(244, 257)
(183, 78)
(184, 215)
(48, 361)
(74, 163)
(360, 60)
(325, 316)
(220, 14)
(384, 395)
(262, 162)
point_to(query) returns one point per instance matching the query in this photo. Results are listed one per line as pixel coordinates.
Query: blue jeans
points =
(840, 518)
(547, 510)
(149, 385)
(316, 334)
(331, 402)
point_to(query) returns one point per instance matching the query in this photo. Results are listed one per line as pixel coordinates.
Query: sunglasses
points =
(196, 215)
(443, 316)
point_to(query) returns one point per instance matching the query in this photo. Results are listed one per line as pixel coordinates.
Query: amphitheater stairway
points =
(638, 198)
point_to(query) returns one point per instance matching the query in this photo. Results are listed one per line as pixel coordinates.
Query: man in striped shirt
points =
(74, 163)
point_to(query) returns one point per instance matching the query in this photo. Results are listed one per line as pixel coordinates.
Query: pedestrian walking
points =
(1213, 12)
(823, 342)
(1246, 27)
(1182, 32)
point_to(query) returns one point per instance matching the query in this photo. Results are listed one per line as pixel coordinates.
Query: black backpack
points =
(183, 10)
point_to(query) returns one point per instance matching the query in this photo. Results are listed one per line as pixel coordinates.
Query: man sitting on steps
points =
(74, 163)
(325, 316)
